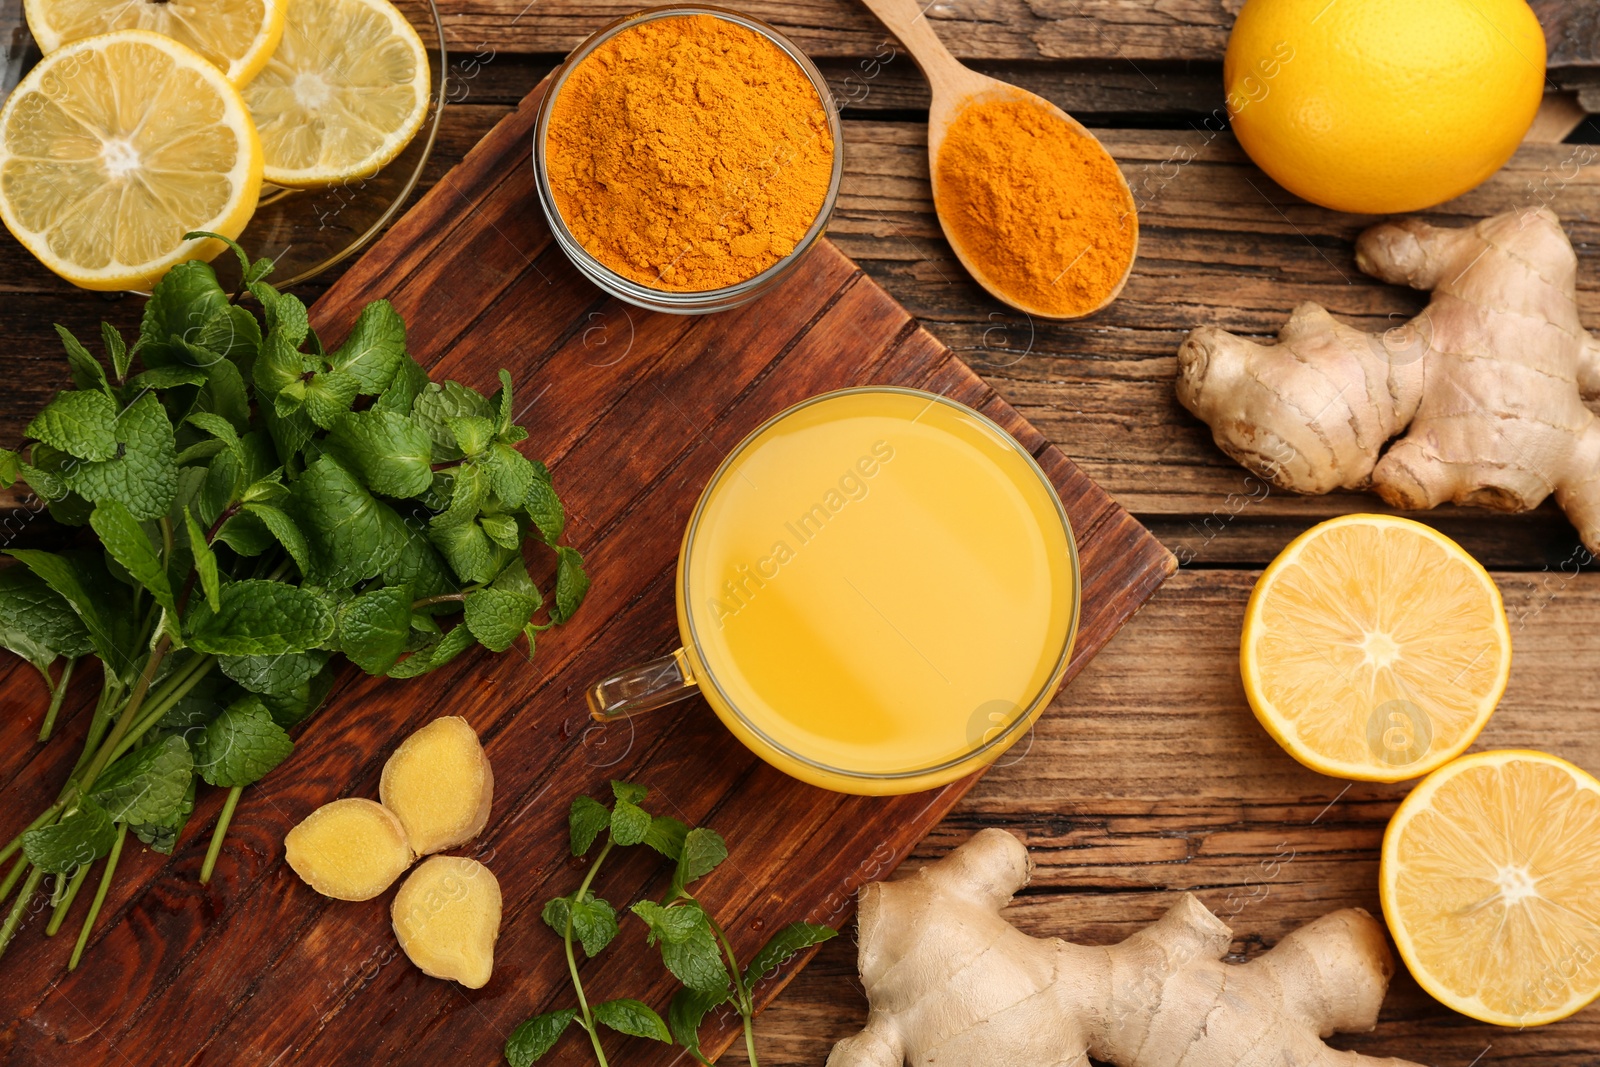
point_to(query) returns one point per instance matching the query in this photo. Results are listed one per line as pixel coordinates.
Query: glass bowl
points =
(304, 231)
(707, 300)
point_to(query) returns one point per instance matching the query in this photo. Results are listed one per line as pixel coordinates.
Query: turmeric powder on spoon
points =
(1034, 206)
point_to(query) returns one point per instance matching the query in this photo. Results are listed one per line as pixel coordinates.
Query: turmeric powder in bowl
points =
(1034, 207)
(689, 153)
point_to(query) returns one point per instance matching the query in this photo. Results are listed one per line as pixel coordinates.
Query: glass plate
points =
(304, 231)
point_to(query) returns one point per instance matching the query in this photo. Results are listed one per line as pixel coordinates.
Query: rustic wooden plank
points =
(1153, 777)
(643, 418)
(1127, 31)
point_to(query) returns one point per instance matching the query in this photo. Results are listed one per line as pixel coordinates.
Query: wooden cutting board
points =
(633, 411)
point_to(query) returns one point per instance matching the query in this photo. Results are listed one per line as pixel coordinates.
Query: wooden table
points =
(1151, 776)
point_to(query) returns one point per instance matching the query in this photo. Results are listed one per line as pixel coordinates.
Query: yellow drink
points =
(878, 591)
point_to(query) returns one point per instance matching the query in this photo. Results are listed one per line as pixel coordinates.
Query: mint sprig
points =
(261, 503)
(693, 945)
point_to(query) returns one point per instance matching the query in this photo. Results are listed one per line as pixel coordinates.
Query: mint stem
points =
(99, 897)
(740, 992)
(125, 720)
(58, 692)
(172, 690)
(14, 919)
(572, 959)
(11, 879)
(219, 833)
(65, 904)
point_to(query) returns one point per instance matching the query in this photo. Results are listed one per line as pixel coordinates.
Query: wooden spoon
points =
(955, 86)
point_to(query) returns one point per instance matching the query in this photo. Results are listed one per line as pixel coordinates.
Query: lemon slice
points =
(1490, 883)
(113, 148)
(346, 90)
(1375, 648)
(236, 35)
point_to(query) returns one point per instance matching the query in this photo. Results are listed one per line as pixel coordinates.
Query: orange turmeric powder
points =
(1043, 220)
(689, 153)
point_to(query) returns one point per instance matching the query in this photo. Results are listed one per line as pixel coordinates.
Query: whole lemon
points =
(1382, 106)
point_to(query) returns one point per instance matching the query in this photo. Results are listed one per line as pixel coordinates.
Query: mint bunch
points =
(263, 505)
(693, 945)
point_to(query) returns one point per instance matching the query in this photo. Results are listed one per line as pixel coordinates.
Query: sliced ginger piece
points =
(447, 917)
(438, 783)
(351, 849)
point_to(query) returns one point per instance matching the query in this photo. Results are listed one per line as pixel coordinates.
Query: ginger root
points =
(1487, 384)
(438, 783)
(351, 849)
(447, 917)
(952, 983)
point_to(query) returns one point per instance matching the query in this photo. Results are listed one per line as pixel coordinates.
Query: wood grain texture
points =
(1156, 779)
(633, 411)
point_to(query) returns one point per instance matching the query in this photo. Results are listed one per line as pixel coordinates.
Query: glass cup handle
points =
(643, 688)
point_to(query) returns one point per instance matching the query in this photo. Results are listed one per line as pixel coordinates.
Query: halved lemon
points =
(1375, 648)
(346, 90)
(236, 35)
(1490, 883)
(113, 148)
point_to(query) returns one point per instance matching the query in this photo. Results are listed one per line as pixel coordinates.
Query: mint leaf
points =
(688, 947)
(10, 468)
(145, 476)
(503, 397)
(116, 348)
(633, 1018)
(246, 534)
(586, 820)
(544, 508)
(148, 785)
(594, 922)
(168, 377)
(205, 561)
(629, 791)
(557, 914)
(703, 850)
(83, 591)
(374, 349)
(667, 836)
(688, 1011)
(501, 529)
(36, 622)
(468, 492)
(82, 837)
(279, 365)
(374, 627)
(261, 618)
(272, 675)
(179, 306)
(629, 823)
(402, 391)
(78, 423)
(296, 705)
(87, 373)
(537, 1036)
(225, 394)
(784, 945)
(130, 546)
(473, 433)
(467, 549)
(241, 745)
(452, 645)
(286, 531)
(572, 583)
(511, 474)
(346, 528)
(232, 333)
(392, 454)
(162, 835)
(417, 564)
(496, 617)
(329, 395)
(439, 402)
